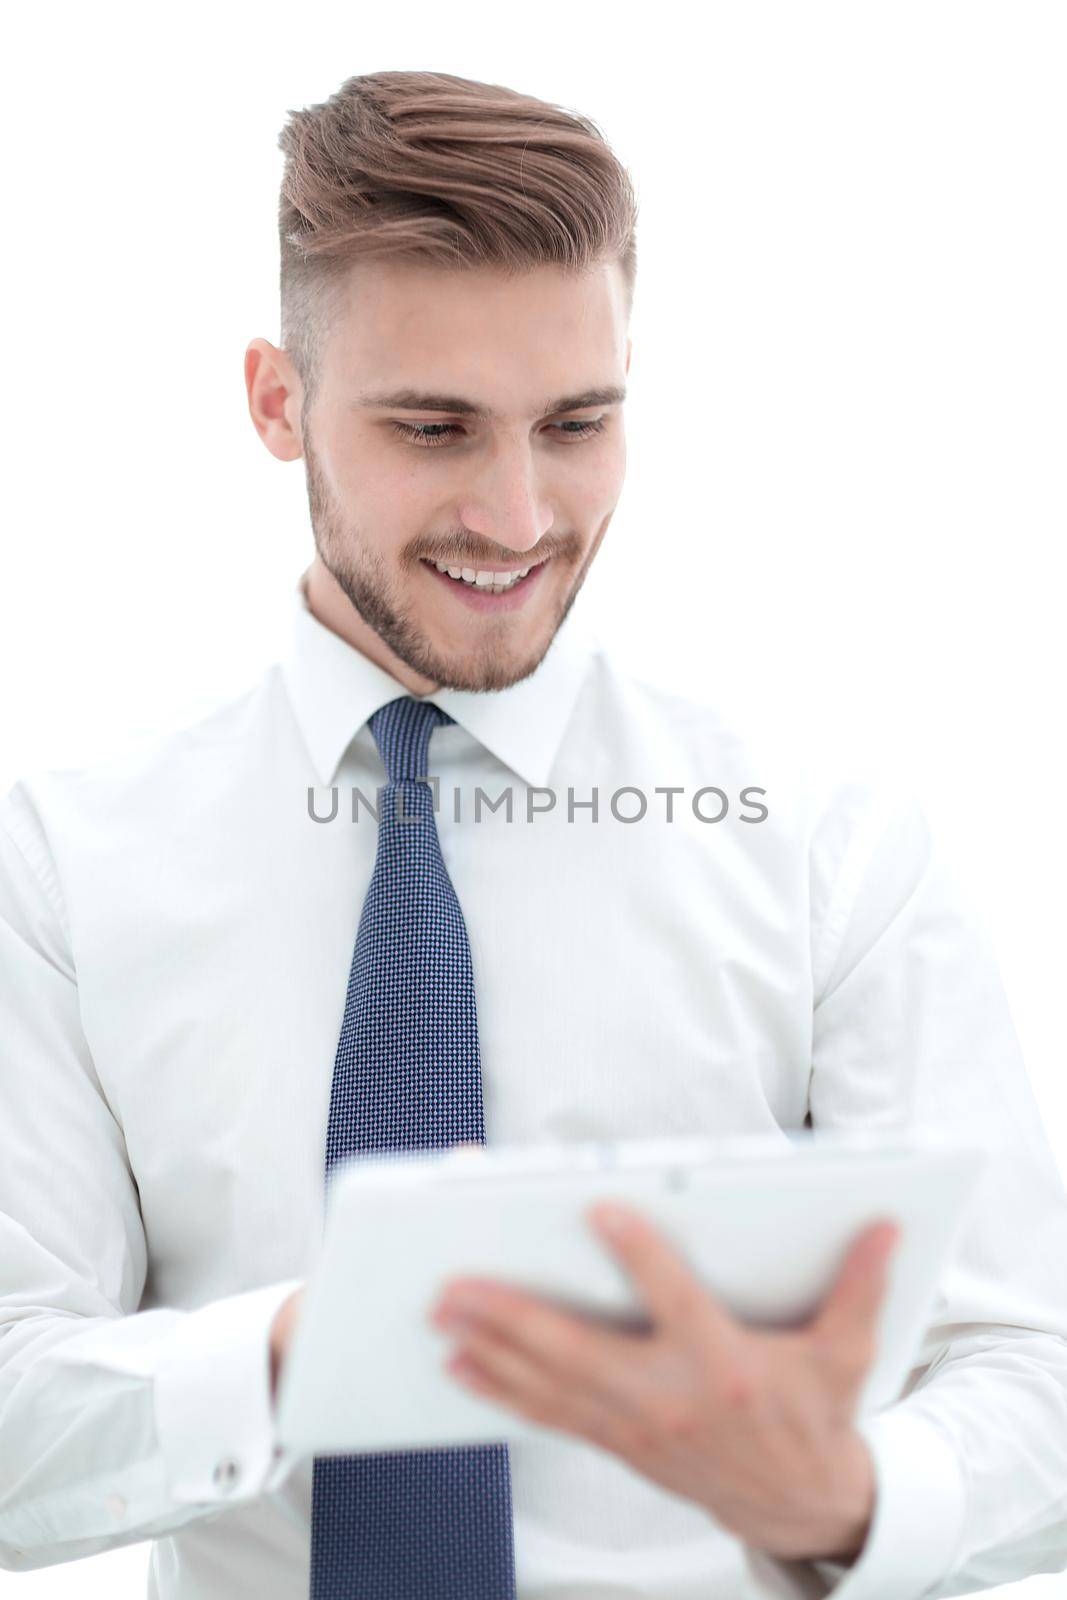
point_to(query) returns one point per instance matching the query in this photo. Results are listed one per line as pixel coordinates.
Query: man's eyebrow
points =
(416, 400)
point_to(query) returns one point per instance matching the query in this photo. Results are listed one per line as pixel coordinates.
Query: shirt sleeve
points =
(116, 1425)
(912, 1026)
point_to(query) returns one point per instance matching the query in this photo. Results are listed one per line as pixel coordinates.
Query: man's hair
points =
(425, 166)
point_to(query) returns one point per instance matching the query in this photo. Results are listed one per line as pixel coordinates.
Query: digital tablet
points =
(764, 1221)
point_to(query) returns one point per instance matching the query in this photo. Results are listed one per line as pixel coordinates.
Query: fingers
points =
(848, 1318)
(570, 1348)
(496, 1368)
(672, 1292)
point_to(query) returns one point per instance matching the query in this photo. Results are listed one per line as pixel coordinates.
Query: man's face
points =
(400, 476)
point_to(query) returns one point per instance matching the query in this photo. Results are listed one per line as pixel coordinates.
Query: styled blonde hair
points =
(430, 167)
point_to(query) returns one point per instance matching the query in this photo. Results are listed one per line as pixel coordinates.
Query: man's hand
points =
(757, 1427)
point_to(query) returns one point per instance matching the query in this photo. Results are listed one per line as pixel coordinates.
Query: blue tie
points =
(432, 1524)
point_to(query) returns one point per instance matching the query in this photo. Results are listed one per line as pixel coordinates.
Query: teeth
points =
(493, 582)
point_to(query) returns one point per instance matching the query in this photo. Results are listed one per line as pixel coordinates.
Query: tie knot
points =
(402, 732)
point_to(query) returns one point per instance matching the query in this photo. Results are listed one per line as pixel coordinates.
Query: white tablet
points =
(764, 1221)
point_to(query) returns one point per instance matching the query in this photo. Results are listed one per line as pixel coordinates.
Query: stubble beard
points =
(360, 572)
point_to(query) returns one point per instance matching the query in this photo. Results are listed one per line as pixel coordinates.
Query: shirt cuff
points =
(213, 1406)
(915, 1529)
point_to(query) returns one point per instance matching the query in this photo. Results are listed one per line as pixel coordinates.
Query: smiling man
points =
(213, 987)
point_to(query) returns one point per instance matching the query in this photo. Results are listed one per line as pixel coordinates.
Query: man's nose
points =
(508, 503)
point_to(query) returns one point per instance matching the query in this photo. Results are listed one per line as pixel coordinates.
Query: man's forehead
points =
(433, 339)
(431, 303)
(402, 273)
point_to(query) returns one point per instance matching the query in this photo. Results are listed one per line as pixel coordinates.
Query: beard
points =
(361, 573)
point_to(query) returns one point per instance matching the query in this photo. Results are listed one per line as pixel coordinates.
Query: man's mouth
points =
(486, 580)
(485, 590)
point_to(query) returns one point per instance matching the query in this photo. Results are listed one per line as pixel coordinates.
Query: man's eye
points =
(436, 433)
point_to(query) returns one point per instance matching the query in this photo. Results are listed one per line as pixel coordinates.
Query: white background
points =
(846, 491)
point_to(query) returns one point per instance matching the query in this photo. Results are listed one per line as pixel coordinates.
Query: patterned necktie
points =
(432, 1524)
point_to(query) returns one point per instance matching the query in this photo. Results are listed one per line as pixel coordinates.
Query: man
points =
(215, 975)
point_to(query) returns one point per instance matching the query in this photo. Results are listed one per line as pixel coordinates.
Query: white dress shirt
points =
(176, 932)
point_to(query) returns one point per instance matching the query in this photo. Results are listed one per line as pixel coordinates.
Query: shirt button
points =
(226, 1473)
(116, 1505)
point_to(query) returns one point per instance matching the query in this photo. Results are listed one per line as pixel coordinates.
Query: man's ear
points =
(275, 394)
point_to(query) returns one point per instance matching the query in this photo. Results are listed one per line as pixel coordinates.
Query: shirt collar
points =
(334, 689)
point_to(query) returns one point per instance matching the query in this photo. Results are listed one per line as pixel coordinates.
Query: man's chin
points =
(480, 667)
